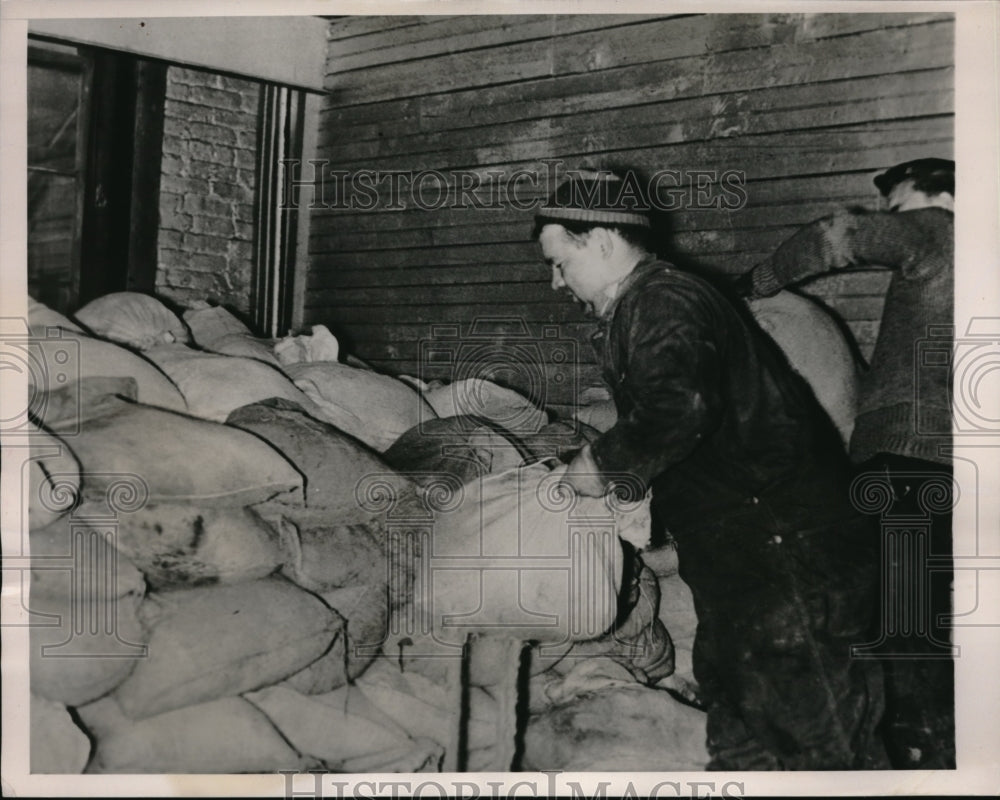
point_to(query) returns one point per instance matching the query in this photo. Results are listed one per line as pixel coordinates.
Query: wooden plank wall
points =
(805, 106)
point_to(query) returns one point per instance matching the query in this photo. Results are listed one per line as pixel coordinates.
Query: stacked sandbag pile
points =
(235, 525)
(165, 558)
(335, 544)
(211, 559)
(69, 355)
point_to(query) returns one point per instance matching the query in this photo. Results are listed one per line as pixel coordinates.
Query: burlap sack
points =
(365, 613)
(70, 356)
(601, 415)
(41, 318)
(678, 615)
(175, 458)
(345, 731)
(817, 349)
(217, 641)
(216, 330)
(377, 409)
(82, 649)
(321, 554)
(326, 673)
(177, 544)
(426, 708)
(463, 446)
(64, 409)
(507, 553)
(53, 478)
(560, 439)
(76, 556)
(338, 469)
(228, 735)
(58, 746)
(213, 384)
(626, 728)
(136, 320)
(481, 398)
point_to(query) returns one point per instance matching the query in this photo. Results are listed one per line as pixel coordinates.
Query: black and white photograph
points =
(462, 400)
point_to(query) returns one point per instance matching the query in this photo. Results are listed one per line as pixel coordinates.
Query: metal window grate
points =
(280, 139)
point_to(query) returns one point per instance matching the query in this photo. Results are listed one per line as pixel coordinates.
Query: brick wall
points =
(205, 247)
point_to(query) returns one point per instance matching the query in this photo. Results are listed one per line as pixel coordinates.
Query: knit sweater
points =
(904, 406)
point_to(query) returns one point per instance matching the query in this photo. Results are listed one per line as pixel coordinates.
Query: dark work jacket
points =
(753, 484)
(736, 447)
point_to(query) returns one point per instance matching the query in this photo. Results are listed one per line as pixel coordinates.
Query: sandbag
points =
(322, 554)
(550, 687)
(817, 349)
(326, 673)
(74, 355)
(58, 746)
(560, 439)
(64, 409)
(41, 318)
(626, 728)
(345, 731)
(216, 330)
(678, 615)
(229, 735)
(377, 409)
(640, 642)
(85, 648)
(178, 544)
(217, 641)
(213, 385)
(133, 319)
(76, 557)
(175, 458)
(425, 708)
(335, 466)
(365, 611)
(463, 446)
(53, 478)
(481, 398)
(524, 517)
(601, 415)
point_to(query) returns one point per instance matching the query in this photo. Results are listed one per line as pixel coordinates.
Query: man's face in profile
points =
(905, 197)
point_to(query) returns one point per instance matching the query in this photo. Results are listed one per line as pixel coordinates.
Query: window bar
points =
(274, 252)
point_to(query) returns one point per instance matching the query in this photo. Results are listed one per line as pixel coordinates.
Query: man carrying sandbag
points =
(902, 434)
(750, 475)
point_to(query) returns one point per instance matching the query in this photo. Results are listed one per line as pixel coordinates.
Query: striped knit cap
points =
(599, 197)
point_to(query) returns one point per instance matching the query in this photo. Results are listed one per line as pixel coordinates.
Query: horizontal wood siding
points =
(800, 109)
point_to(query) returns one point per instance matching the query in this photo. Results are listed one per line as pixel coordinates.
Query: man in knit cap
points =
(903, 426)
(745, 465)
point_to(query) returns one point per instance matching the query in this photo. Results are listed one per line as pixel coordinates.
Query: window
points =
(58, 90)
(94, 138)
(145, 175)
